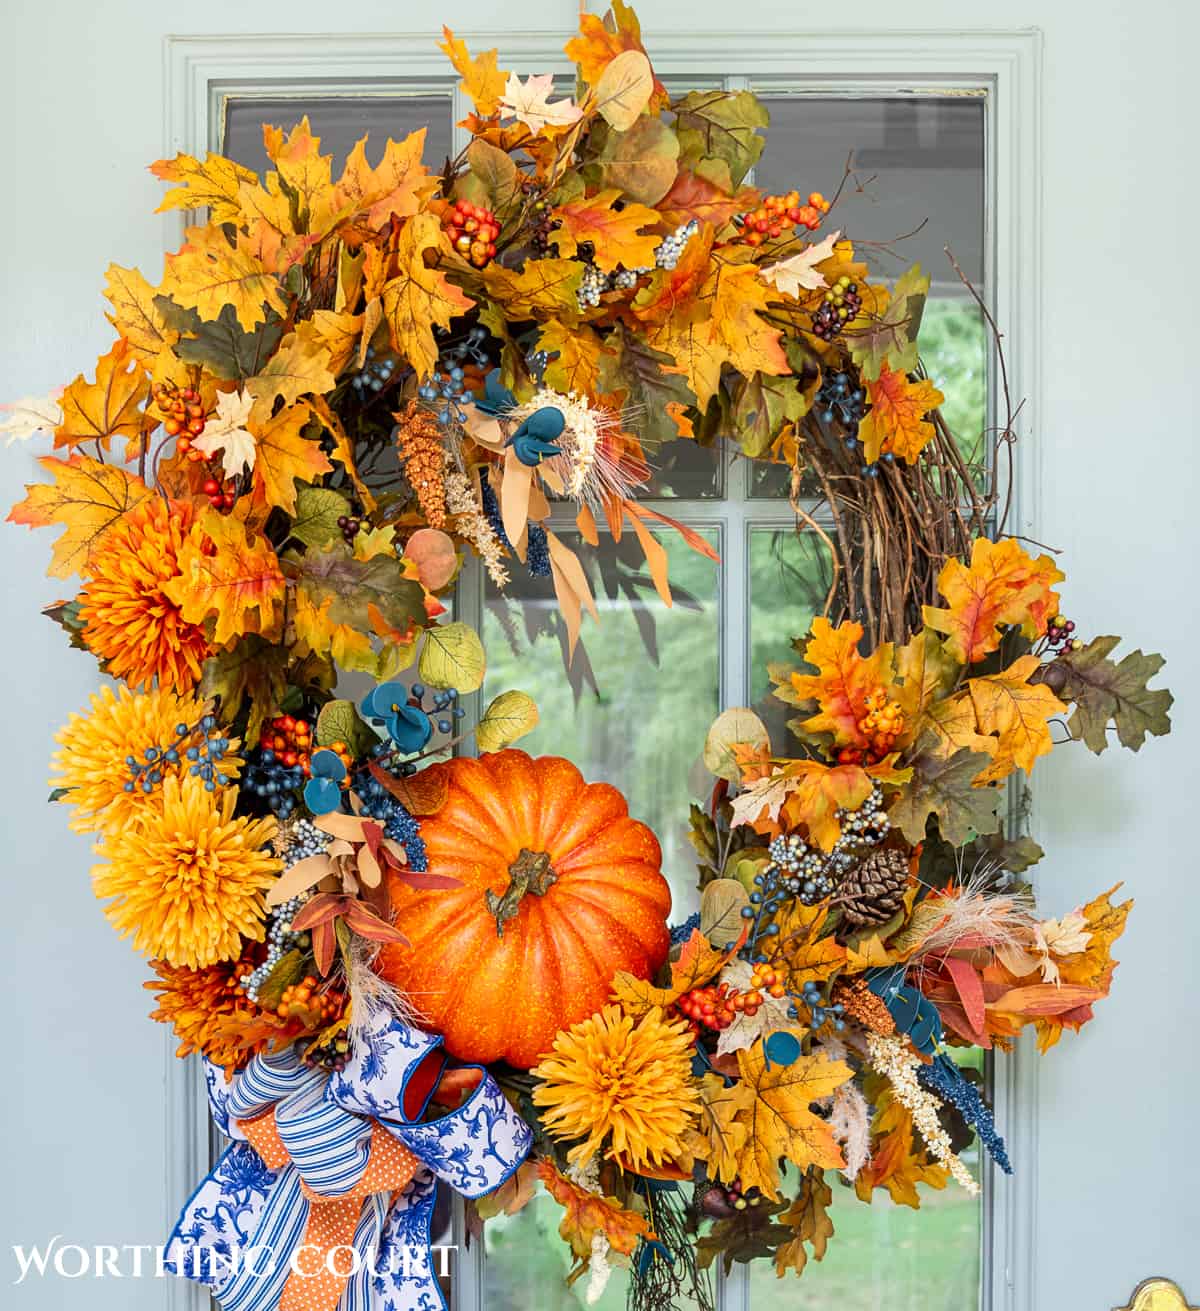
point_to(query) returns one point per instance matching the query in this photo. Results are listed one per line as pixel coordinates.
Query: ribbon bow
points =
(325, 1197)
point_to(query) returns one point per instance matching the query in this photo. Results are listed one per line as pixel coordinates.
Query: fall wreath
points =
(403, 965)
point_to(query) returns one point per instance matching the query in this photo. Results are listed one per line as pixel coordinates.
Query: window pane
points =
(636, 702)
(339, 121)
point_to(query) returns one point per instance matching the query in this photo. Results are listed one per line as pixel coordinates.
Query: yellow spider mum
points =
(607, 1075)
(196, 1003)
(187, 879)
(128, 621)
(93, 765)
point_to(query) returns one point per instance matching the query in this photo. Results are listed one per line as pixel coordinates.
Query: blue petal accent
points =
(327, 764)
(322, 795)
(409, 728)
(781, 1048)
(496, 396)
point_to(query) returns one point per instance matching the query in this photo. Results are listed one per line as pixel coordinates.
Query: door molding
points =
(1005, 65)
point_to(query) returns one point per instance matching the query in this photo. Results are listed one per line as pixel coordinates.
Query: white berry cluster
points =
(812, 874)
(666, 255)
(899, 1065)
(670, 248)
(280, 940)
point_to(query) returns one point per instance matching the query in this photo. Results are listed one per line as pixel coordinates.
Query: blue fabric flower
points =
(496, 396)
(322, 792)
(534, 439)
(407, 726)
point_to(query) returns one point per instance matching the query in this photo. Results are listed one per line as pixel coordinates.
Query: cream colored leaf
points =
(735, 725)
(798, 273)
(29, 415)
(227, 433)
(624, 89)
(529, 102)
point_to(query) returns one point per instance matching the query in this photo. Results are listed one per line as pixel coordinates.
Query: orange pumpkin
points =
(560, 890)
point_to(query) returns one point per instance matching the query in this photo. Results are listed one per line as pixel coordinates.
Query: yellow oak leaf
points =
(135, 315)
(775, 1109)
(87, 498)
(1016, 711)
(109, 407)
(722, 1136)
(698, 962)
(240, 582)
(843, 681)
(924, 673)
(808, 1218)
(298, 368)
(616, 234)
(336, 333)
(896, 423)
(481, 79)
(800, 948)
(1002, 586)
(283, 455)
(419, 297)
(588, 1214)
(208, 273)
(396, 186)
(212, 183)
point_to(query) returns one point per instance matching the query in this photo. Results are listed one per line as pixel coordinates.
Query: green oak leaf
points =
(721, 125)
(498, 173)
(761, 406)
(1104, 692)
(942, 787)
(253, 670)
(221, 346)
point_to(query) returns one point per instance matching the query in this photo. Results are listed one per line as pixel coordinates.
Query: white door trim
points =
(200, 71)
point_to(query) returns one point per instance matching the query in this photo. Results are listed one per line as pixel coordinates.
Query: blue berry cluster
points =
(280, 940)
(275, 783)
(945, 1080)
(491, 508)
(821, 1012)
(680, 933)
(403, 828)
(446, 385)
(768, 896)
(200, 744)
(537, 556)
(376, 373)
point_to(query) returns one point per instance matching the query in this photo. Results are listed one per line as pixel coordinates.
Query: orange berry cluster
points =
(472, 230)
(419, 437)
(881, 726)
(717, 1008)
(769, 980)
(778, 212)
(305, 1001)
(185, 416)
(291, 741)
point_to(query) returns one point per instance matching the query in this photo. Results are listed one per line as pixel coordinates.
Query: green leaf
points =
(942, 787)
(510, 716)
(358, 586)
(642, 163)
(57, 794)
(339, 721)
(892, 338)
(637, 370)
(452, 656)
(289, 969)
(317, 511)
(255, 671)
(66, 615)
(762, 405)
(721, 125)
(221, 346)
(1104, 693)
(499, 175)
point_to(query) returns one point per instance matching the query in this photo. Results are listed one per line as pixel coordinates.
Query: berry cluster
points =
(472, 230)
(947, 1082)
(331, 1055)
(778, 212)
(221, 495)
(349, 528)
(767, 979)
(280, 940)
(542, 225)
(201, 745)
(185, 416)
(537, 552)
(717, 1007)
(1059, 634)
(720, 1202)
(291, 739)
(821, 1011)
(596, 282)
(805, 869)
(881, 726)
(278, 771)
(446, 387)
(375, 374)
(312, 1005)
(401, 827)
(840, 400)
(840, 304)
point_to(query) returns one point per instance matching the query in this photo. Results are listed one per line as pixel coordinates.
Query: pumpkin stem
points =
(530, 872)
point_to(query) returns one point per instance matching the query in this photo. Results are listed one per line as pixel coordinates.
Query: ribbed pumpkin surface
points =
(505, 997)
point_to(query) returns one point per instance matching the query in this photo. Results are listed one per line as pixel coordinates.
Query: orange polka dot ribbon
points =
(324, 1200)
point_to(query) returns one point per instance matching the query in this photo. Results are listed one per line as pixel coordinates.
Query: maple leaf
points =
(763, 408)
(945, 787)
(575, 355)
(955, 726)
(698, 962)
(240, 583)
(336, 333)
(110, 406)
(615, 234)
(745, 1029)
(1103, 692)
(529, 102)
(513, 1195)
(600, 41)
(889, 338)
(343, 644)
(30, 414)
(306, 174)
(395, 187)
(543, 289)
(795, 273)
(253, 670)
(925, 674)
(298, 368)
(286, 456)
(1002, 586)
(481, 79)
(211, 184)
(722, 1137)
(1015, 711)
(801, 950)
(588, 1214)
(419, 297)
(208, 273)
(843, 681)
(896, 423)
(812, 793)
(673, 293)
(775, 1107)
(136, 315)
(227, 433)
(808, 1217)
(637, 373)
(87, 497)
(700, 196)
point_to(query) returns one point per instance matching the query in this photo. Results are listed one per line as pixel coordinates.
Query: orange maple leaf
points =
(698, 962)
(1002, 586)
(896, 423)
(418, 297)
(614, 233)
(693, 196)
(843, 681)
(396, 186)
(600, 41)
(1016, 712)
(207, 274)
(672, 292)
(588, 1214)
(109, 407)
(240, 582)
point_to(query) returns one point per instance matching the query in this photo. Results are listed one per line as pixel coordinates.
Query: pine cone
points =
(873, 891)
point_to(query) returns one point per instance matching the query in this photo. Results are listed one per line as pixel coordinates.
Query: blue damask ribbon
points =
(241, 1229)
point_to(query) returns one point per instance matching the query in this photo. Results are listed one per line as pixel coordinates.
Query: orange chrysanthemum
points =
(93, 765)
(198, 1004)
(607, 1075)
(188, 878)
(129, 623)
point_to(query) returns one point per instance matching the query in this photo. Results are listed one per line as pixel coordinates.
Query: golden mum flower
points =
(128, 622)
(93, 765)
(609, 1076)
(197, 1003)
(187, 879)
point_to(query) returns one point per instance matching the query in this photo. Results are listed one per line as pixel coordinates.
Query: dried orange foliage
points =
(588, 1214)
(616, 234)
(898, 1158)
